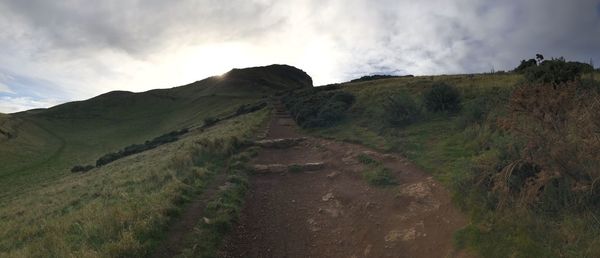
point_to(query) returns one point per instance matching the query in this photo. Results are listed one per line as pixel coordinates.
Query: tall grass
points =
(119, 210)
(457, 149)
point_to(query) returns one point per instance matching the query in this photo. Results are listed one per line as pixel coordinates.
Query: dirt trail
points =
(180, 229)
(334, 212)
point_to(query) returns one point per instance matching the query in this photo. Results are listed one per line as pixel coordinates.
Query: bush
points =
(80, 168)
(400, 110)
(442, 98)
(525, 64)
(137, 148)
(314, 108)
(379, 176)
(556, 71)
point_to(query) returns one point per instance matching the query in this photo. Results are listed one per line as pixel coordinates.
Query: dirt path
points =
(175, 237)
(334, 212)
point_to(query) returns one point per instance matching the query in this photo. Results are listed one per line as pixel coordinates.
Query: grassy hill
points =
(46, 143)
(119, 209)
(472, 151)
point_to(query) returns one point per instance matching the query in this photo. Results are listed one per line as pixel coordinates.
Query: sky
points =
(52, 52)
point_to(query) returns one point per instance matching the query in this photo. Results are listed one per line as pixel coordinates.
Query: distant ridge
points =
(261, 80)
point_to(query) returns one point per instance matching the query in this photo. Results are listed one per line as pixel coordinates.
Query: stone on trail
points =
(279, 143)
(280, 168)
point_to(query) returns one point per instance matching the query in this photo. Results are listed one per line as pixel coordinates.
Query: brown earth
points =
(334, 212)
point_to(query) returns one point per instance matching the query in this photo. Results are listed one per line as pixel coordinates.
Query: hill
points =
(43, 144)
(516, 151)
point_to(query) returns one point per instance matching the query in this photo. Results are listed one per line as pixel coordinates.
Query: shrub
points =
(556, 71)
(560, 126)
(400, 110)
(314, 108)
(367, 160)
(442, 98)
(80, 168)
(379, 176)
(525, 64)
(137, 148)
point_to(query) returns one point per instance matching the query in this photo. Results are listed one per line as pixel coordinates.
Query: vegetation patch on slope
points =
(123, 210)
(509, 171)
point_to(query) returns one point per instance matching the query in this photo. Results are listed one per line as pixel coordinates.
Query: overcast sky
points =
(57, 51)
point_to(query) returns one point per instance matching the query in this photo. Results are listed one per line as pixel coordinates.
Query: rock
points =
(388, 157)
(367, 250)
(224, 187)
(327, 197)
(306, 167)
(334, 213)
(333, 174)
(370, 153)
(404, 235)
(279, 143)
(272, 168)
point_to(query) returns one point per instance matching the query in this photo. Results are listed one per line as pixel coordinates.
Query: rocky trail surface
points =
(310, 199)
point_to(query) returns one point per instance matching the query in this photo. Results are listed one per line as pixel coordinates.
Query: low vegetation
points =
(137, 148)
(124, 208)
(318, 108)
(442, 97)
(378, 77)
(375, 173)
(518, 152)
(400, 110)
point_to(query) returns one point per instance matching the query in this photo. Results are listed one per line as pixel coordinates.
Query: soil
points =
(334, 212)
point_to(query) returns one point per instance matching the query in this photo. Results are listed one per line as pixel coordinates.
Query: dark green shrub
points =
(137, 148)
(315, 108)
(525, 64)
(367, 160)
(80, 168)
(442, 98)
(400, 110)
(379, 176)
(556, 71)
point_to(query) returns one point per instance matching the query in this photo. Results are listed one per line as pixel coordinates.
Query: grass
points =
(379, 176)
(449, 147)
(375, 173)
(119, 210)
(367, 160)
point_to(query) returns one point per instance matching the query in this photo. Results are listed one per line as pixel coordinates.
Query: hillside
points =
(394, 165)
(46, 143)
(516, 153)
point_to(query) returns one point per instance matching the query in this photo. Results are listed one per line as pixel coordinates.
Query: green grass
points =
(119, 210)
(367, 160)
(123, 208)
(449, 147)
(379, 176)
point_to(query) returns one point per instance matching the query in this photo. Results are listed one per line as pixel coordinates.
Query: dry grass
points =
(119, 210)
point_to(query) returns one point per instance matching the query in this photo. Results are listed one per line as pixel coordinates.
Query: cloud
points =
(77, 49)
(4, 88)
(10, 104)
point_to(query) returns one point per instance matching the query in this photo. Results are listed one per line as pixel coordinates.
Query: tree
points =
(539, 58)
